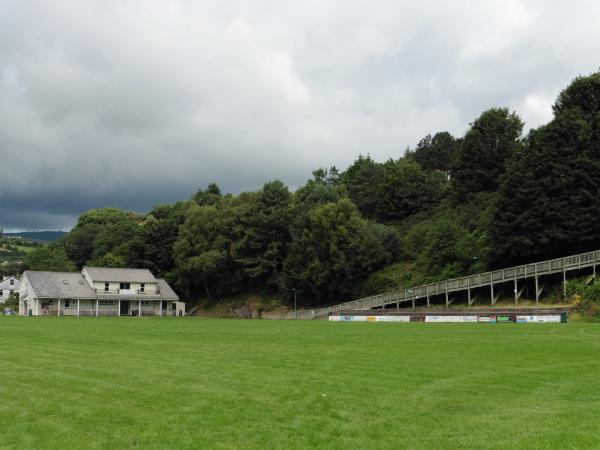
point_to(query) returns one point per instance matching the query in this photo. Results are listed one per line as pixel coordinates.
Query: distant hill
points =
(41, 236)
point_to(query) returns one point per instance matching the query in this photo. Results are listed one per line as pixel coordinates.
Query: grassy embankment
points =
(206, 383)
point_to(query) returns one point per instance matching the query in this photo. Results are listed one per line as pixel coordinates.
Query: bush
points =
(11, 302)
(585, 296)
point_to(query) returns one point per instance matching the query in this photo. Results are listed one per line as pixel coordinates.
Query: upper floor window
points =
(106, 287)
(143, 288)
(124, 286)
(12, 281)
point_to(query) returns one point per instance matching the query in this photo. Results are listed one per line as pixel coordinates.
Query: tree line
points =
(449, 206)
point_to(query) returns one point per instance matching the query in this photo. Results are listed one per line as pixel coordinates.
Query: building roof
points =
(165, 290)
(59, 285)
(6, 286)
(107, 274)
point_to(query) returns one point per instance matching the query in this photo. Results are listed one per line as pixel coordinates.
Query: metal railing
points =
(558, 265)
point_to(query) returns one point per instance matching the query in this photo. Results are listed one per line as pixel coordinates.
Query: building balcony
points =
(126, 292)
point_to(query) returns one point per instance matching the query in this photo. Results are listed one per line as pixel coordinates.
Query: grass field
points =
(208, 383)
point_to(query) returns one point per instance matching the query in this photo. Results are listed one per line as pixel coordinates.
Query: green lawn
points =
(99, 383)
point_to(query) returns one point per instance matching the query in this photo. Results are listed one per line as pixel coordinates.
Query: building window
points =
(67, 303)
(142, 288)
(106, 302)
(12, 282)
(124, 286)
(145, 303)
(106, 287)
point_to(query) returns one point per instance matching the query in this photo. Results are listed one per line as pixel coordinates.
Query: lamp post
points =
(295, 304)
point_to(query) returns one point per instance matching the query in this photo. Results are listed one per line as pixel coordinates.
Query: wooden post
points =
(516, 289)
(96, 307)
(447, 294)
(160, 308)
(469, 290)
(537, 291)
(564, 279)
(427, 293)
(58, 310)
(77, 307)
(140, 309)
(119, 313)
(492, 289)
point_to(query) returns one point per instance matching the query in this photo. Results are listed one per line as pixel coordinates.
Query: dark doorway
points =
(124, 308)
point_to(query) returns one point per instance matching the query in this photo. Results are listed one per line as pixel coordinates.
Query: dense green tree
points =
(550, 198)
(107, 216)
(159, 233)
(110, 260)
(97, 232)
(406, 189)
(437, 152)
(316, 192)
(202, 251)
(211, 196)
(113, 235)
(449, 249)
(363, 179)
(79, 243)
(332, 253)
(50, 258)
(492, 140)
(261, 250)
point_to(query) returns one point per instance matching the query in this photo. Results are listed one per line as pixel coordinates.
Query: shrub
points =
(585, 296)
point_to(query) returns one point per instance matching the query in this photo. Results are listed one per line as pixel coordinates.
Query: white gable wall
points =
(27, 298)
(7, 288)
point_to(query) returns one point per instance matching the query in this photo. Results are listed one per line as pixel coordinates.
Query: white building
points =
(97, 291)
(8, 286)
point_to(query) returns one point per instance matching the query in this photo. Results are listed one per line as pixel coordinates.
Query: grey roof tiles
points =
(120, 275)
(59, 285)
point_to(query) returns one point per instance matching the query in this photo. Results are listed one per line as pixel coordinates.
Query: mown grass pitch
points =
(202, 383)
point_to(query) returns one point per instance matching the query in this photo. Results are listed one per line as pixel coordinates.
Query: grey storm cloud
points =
(132, 103)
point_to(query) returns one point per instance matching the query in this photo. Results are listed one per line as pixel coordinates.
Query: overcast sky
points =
(133, 103)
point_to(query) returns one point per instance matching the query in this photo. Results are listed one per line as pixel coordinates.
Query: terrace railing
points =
(466, 283)
(126, 292)
(99, 312)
